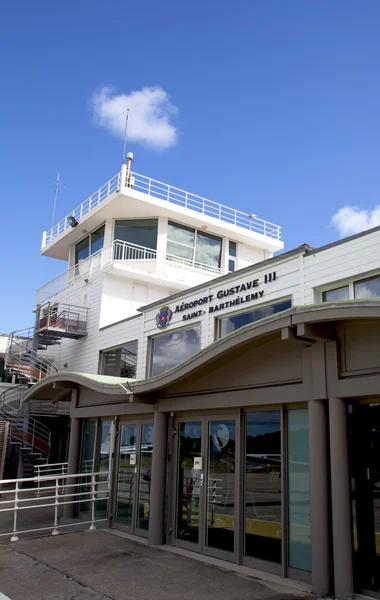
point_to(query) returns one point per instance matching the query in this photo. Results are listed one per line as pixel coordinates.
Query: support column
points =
(73, 462)
(340, 500)
(319, 497)
(157, 488)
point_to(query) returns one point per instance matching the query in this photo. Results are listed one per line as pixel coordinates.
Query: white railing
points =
(150, 260)
(48, 469)
(170, 194)
(132, 255)
(96, 198)
(18, 498)
(201, 205)
(62, 282)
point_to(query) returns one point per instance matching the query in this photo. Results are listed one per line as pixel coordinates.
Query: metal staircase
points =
(23, 360)
(32, 438)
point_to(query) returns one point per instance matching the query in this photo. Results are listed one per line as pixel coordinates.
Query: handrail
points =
(173, 195)
(106, 256)
(13, 395)
(63, 490)
(25, 360)
(26, 429)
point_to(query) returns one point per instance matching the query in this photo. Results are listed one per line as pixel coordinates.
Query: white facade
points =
(124, 290)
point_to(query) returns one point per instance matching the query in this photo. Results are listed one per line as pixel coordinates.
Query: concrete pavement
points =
(101, 566)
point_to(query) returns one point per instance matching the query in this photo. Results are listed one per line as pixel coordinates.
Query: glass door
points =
(189, 483)
(132, 494)
(204, 505)
(364, 446)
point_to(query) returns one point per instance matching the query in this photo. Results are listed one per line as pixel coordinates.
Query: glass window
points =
(221, 485)
(367, 288)
(104, 467)
(190, 244)
(141, 232)
(342, 293)
(299, 490)
(262, 486)
(171, 349)
(97, 240)
(229, 324)
(120, 362)
(88, 446)
(232, 257)
(145, 456)
(208, 250)
(82, 250)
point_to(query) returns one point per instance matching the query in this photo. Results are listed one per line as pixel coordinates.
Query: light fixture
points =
(252, 216)
(72, 221)
(86, 280)
(83, 230)
(204, 227)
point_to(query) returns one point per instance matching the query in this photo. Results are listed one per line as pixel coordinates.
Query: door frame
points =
(132, 529)
(201, 546)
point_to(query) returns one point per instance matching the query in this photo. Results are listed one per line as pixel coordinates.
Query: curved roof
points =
(317, 313)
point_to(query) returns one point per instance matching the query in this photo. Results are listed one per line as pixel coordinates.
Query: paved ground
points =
(100, 566)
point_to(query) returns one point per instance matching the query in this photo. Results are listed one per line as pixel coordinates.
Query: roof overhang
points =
(305, 324)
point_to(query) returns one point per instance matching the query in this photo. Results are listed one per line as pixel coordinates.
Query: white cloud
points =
(351, 219)
(150, 115)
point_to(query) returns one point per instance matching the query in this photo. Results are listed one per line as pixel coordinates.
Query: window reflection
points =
(145, 454)
(368, 288)
(342, 293)
(262, 486)
(120, 362)
(171, 349)
(299, 490)
(229, 324)
(196, 246)
(140, 232)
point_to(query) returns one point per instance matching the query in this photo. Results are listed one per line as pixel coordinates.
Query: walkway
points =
(101, 566)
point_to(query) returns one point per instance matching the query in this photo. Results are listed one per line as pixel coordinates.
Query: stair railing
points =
(27, 430)
(22, 359)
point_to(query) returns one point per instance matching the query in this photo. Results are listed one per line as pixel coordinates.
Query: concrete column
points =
(157, 488)
(73, 462)
(319, 497)
(340, 500)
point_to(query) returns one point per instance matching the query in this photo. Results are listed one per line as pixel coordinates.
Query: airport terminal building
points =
(232, 394)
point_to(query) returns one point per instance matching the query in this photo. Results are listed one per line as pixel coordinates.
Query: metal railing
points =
(21, 358)
(206, 207)
(173, 195)
(111, 186)
(64, 319)
(27, 430)
(48, 469)
(12, 397)
(18, 498)
(134, 255)
(158, 262)
(62, 282)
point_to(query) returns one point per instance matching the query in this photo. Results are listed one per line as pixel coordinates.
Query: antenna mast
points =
(125, 137)
(57, 184)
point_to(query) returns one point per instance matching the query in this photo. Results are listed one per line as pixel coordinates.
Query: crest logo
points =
(163, 317)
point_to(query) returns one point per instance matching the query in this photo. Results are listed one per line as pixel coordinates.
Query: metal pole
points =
(157, 490)
(15, 537)
(93, 498)
(55, 530)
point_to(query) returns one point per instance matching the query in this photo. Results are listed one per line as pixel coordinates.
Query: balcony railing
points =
(169, 194)
(131, 255)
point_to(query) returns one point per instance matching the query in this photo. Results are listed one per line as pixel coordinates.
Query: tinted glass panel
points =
(169, 350)
(97, 240)
(232, 249)
(208, 249)
(180, 251)
(142, 232)
(231, 266)
(221, 485)
(145, 455)
(126, 475)
(82, 250)
(229, 324)
(369, 288)
(104, 466)
(181, 234)
(88, 446)
(262, 486)
(128, 360)
(111, 363)
(299, 490)
(189, 481)
(342, 293)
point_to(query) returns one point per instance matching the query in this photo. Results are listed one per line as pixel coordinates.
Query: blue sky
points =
(269, 106)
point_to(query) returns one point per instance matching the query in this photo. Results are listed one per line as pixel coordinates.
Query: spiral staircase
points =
(23, 438)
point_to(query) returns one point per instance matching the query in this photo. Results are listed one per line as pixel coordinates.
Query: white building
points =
(237, 387)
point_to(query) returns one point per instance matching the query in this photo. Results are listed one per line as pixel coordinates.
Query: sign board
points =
(133, 459)
(197, 463)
